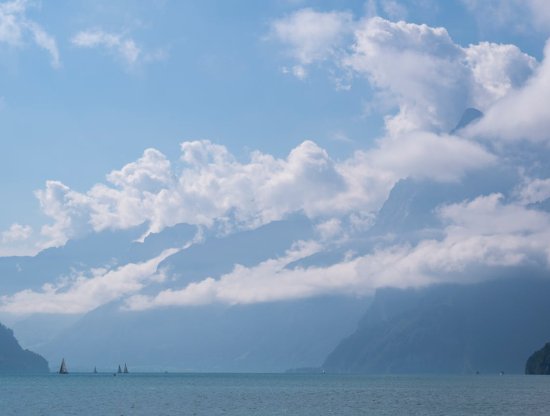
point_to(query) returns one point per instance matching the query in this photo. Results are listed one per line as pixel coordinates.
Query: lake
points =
(273, 394)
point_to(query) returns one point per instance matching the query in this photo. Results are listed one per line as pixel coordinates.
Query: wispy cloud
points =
(16, 27)
(121, 46)
(82, 293)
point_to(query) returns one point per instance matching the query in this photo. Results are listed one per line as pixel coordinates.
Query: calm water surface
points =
(273, 394)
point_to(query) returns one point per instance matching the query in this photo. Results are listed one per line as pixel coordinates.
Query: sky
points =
(160, 112)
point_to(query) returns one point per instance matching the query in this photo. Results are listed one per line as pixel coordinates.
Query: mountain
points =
(469, 116)
(267, 337)
(270, 336)
(218, 255)
(14, 359)
(94, 250)
(539, 362)
(412, 203)
(488, 327)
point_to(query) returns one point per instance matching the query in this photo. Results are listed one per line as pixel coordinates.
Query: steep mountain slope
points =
(14, 359)
(488, 327)
(216, 256)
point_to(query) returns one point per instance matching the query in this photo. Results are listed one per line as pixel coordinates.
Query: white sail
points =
(63, 367)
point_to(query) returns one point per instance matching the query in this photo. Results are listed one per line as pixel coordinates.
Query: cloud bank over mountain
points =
(210, 186)
(423, 81)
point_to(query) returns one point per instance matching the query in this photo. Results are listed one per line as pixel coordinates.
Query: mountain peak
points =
(469, 116)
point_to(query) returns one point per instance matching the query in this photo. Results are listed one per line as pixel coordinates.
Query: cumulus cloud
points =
(69, 211)
(121, 46)
(16, 28)
(80, 293)
(312, 36)
(210, 186)
(18, 240)
(534, 190)
(522, 114)
(16, 232)
(417, 69)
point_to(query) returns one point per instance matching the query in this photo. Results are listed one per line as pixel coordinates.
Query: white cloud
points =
(534, 190)
(430, 78)
(497, 69)
(15, 27)
(210, 186)
(312, 36)
(18, 240)
(329, 229)
(16, 232)
(415, 68)
(69, 211)
(80, 294)
(425, 155)
(522, 114)
(122, 46)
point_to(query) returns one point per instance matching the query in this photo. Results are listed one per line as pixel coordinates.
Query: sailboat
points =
(119, 371)
(125, 369)
(95, 370)
(63, 367)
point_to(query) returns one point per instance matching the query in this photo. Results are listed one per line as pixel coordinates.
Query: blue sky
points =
(210, 70)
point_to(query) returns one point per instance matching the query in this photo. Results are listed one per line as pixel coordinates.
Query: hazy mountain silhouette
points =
(428, 330)
(263, 337)
(14, 359)
(488, 327)
(94, 250)
(269, 336)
